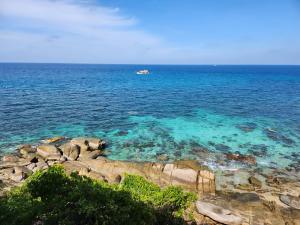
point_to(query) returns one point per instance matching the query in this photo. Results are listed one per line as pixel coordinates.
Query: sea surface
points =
(184, 112)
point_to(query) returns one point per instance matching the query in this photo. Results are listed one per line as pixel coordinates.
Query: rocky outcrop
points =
(197, 179)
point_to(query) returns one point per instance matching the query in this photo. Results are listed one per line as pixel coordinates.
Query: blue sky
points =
(150, 32)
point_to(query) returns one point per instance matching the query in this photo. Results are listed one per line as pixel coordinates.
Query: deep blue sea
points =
(186, 112)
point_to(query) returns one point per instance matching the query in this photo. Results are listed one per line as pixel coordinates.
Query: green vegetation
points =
(52, 197)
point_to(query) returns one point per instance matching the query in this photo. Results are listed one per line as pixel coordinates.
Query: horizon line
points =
(149, 64)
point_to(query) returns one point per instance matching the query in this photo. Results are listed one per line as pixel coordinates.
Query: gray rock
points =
(218, 213)
(290, 200)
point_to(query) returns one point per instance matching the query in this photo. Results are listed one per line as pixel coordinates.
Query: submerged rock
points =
(247, 127)
(222, 147)
(242, 158)
(218, 213)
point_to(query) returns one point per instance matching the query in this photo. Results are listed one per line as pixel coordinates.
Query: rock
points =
(255, 182)
(82, 143)
(20, 173)
(31, 166)
(70, 151)
(96, 143)
(245, 187)
(27, 150)
(21, 162)
(242, 158)
(41, 165)
(185, 175)
(10, 158)
(48, 152)
(290, 200)
(218, 213)
(53, 140)
(89, 155)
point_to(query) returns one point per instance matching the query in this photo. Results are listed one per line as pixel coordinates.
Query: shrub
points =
(52, 197)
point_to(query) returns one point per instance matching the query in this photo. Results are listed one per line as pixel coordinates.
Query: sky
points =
(150, 31)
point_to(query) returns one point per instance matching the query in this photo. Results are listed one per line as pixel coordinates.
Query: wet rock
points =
(247, 127)
(70, 151)
(53, 140)
(48, 152)
(218, 213)
(290, 200)
(241, 158)
(255, 182)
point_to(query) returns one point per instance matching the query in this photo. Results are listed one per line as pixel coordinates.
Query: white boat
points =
(143, 72)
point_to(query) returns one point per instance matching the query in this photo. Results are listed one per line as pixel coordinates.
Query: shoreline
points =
(256, 197)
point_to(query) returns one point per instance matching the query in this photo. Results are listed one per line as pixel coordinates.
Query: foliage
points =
(52, 197)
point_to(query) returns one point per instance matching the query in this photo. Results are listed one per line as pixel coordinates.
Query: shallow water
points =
(194, 112)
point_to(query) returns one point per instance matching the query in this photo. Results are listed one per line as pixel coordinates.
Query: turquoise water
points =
(185, 112)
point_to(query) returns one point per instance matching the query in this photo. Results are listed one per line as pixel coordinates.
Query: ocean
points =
(178, 112)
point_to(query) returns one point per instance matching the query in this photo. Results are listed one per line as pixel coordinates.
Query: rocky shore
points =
(224, 197)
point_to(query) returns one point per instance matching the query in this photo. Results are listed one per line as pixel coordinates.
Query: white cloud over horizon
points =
(68, 31)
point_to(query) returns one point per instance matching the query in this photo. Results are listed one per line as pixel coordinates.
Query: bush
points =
(52, 197)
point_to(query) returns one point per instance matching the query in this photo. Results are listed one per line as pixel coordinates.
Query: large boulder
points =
(48, 152)
(218, 213)
(70, 150)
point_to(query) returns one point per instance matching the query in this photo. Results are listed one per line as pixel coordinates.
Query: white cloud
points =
(69, 31)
